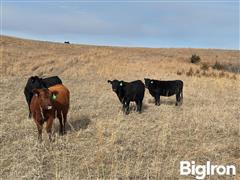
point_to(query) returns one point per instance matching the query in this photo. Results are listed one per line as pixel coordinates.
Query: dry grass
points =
(101, 142)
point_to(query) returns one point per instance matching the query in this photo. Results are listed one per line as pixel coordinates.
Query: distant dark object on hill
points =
(66, 42)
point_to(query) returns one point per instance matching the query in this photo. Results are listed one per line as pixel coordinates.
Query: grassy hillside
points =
(101, 142)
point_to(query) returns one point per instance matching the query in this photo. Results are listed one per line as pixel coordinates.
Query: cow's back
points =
(51, 81)
(136, 86)
(135, 90)
(63, 96)
(169, 88)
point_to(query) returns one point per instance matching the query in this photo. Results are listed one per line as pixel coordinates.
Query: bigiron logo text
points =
(201, 171)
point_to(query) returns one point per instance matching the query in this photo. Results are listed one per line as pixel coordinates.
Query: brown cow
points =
(48, 102)
(61, 103)
(42, 110)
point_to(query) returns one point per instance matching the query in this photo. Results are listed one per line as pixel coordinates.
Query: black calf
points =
(129, 91)
(165, 88)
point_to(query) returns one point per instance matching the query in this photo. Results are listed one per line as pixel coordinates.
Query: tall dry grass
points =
(101, 142)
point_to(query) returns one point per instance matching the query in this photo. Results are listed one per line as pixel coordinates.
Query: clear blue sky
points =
(188, 23)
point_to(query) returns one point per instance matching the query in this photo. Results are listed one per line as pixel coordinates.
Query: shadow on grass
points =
(77, 123)
(163, 101)
(133, 107)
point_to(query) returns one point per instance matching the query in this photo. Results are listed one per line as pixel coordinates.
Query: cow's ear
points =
(109, 81)
(36, 92)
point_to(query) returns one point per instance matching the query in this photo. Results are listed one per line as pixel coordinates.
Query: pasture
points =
(102, 142)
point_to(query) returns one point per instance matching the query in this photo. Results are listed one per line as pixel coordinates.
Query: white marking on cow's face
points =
(151, 82)
(49, 107)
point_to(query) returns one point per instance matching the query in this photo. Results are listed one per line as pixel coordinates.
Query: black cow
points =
(165, 88)
(129, 91)
(35, 82)
(66, 42)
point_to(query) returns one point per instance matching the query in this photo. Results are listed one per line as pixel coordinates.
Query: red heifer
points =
(61, 103)
(48, 102)
(42, 110)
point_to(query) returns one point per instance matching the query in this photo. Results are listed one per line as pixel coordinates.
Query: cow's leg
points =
(29, 114)
(49, 127)
(157, 100)
(39, 132)
(64, 121)
(126, 106)
(178, 98)
(39, 127)
(139, 106)
(59, 116)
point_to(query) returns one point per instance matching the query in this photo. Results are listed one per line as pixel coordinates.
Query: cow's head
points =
(116, 85)
(36, 82)
(148, 82)
(45, 98)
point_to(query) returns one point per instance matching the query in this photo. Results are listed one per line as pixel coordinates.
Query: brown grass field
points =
(101, 142)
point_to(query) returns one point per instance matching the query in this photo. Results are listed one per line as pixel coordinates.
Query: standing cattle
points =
(35, 82)
(42, 109)
(45, 104)
(165, 88)
(61, 104)
(129, 91)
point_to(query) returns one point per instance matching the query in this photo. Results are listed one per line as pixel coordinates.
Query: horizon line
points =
(118, 46)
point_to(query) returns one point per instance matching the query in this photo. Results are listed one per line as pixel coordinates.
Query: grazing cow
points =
(44, 106)
(165, 88)
(66, 42)
(129, 91)
(35, 82)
